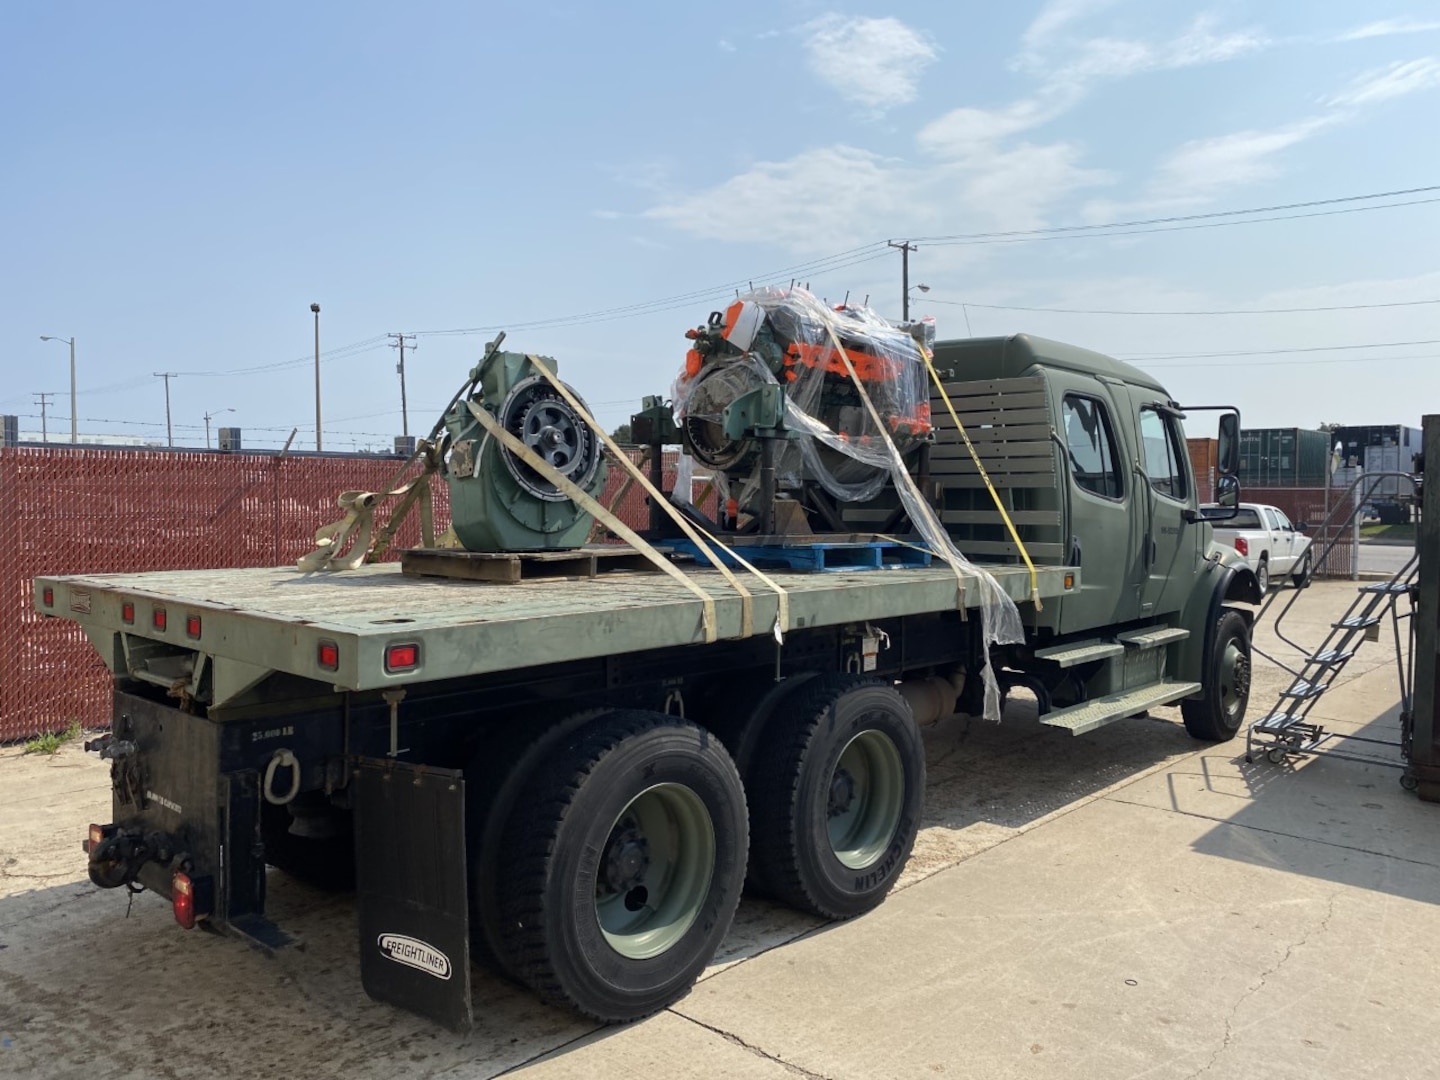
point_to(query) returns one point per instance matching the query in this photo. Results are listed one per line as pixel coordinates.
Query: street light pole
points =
(208, 418)
(316, 309)
(74, 412)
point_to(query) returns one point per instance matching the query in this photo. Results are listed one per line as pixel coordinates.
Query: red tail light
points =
(1242, 545)
(127, 612)
(157, 618)
(192, 626)
(182, 899)
(96, 835)
(400, 658)
(48, 595)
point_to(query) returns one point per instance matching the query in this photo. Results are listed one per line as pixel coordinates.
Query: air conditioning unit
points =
(9, 430)
(404, 445)
(230, 439)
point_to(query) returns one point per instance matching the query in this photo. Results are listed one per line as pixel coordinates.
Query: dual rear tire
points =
(608, 855)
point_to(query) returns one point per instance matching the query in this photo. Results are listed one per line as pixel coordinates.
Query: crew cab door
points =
(1100, 501)
(1166, 490)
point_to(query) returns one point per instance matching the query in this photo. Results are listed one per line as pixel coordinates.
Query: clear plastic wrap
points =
(849, 445)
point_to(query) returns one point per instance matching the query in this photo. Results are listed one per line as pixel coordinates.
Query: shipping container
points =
(1282, 457)
(1204, 456)
(1354, 440)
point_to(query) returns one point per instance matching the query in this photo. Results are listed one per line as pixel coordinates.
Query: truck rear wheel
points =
(622, 865)
(493, 783)
(836, 793)
(1217, 715)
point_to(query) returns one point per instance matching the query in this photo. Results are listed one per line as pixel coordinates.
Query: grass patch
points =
(1397, 534)
(52, 741)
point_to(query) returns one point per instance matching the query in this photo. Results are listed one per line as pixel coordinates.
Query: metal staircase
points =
(1288, 729)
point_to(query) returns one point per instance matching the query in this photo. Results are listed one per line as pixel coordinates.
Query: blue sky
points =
(180, 182)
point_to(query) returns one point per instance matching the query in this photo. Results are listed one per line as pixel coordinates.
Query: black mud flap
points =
(411, 888)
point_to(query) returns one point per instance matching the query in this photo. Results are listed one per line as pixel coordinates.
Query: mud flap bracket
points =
(410, 885)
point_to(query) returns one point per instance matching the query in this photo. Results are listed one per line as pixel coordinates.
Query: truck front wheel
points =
(622, 865)
(836, 793)
(1217, 715)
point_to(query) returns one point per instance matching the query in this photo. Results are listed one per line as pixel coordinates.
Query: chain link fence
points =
(99, 511)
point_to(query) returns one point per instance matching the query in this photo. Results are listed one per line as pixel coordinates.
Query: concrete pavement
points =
(1124, 904)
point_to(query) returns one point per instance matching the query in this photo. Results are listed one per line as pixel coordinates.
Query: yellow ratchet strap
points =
(545, 469)
(691, 530)
(895, 456)
(995, 495)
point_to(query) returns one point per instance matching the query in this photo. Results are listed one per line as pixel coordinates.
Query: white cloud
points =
(1055, 16)
(876, 63)
(1074, 59)
(1202, 166)
(814, 201)
(967, 132)
(1389, 28)
(808, 202)
(1396, 80)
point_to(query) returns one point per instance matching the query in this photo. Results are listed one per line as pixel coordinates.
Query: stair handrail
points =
(1324, 528)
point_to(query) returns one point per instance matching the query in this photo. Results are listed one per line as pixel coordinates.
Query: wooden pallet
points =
(818, 557)
(513, 567)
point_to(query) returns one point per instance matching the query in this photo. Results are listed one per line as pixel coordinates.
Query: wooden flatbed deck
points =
(276, 619)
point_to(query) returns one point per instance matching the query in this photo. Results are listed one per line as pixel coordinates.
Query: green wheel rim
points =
(655, 871)
(867, 791)
(1234, 677)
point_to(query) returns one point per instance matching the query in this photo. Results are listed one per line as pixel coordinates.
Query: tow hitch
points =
(116, 855)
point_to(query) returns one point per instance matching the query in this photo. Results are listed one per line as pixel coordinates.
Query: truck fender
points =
(1226, 581)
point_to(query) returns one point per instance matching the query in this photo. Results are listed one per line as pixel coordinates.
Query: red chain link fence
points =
(100, 511)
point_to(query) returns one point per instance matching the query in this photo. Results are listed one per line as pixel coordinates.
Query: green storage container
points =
(1282, 457)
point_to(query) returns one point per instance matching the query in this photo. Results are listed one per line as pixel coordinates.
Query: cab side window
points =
(1165, 454)
(1090, 441)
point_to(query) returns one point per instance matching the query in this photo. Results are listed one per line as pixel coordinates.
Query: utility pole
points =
(316, 309)
(904, 247)
(43, 400)
(169, 431)
(399, 343)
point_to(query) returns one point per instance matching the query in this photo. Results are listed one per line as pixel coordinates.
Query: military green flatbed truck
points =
(571, 781)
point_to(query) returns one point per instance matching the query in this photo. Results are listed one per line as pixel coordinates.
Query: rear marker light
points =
(97, 835)
(157, 618)
(402, 657)
(192, 626)
(182, 899)
(328, 655)
(127, 612)
(48, 595)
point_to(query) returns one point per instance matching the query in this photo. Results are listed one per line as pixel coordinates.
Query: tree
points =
(622, 435)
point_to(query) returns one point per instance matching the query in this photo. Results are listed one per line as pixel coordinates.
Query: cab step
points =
(1357, 622)
(1152, 637)
(1079, 652)
(1089, 715)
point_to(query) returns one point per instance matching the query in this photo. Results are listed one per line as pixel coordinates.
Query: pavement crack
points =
(1260, 983)
(750, 1048)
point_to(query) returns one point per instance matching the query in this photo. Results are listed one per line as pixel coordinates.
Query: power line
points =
(1155, 357)
(1217, 311)
(1181, 218)
(1305, 363)
(874, 251)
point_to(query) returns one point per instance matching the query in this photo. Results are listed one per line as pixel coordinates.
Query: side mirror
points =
(1227, 492)
(1227, 452)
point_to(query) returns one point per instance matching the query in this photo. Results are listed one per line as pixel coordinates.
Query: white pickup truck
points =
(1272, 546)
